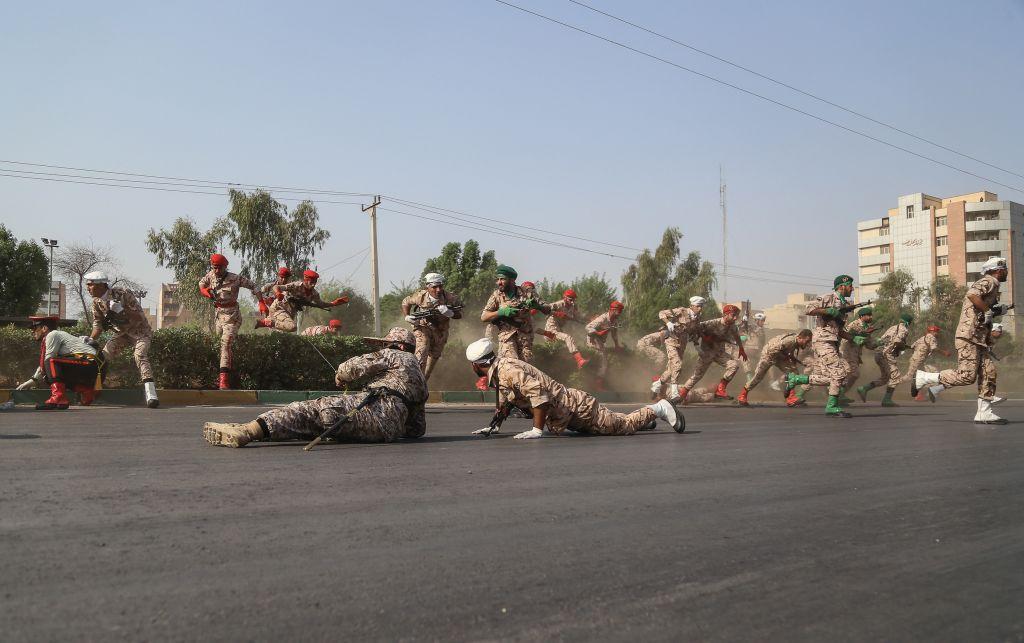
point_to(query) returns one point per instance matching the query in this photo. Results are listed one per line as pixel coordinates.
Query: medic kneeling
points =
(65, 360)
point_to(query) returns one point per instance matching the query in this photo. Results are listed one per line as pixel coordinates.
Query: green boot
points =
(792, 379)
(887, 398)
(832, 408)
(843, 400)
(862, 391)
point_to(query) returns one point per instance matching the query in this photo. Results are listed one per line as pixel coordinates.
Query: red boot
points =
(792, 399)
(58, 399)
(683, 392)
(720, 393)
(579, 359)
(742, 399)
(224, 382)
(264, 323)
(86, 394)
(481, 384)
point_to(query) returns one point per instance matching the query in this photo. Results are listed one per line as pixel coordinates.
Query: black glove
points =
(998, 309)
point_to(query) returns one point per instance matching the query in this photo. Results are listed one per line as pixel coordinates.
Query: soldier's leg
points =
(916, 362)
(854, 375)
(654, 355)
(282, 321)
(598, 420)
(968, 357)
(525, 341)
(422, 346)
(987, 381)
(567, 339)
(731, 365)
(700, 395)
(116, 344)
(380, 421)
(763, 366)
(704, 359)
(228, 333)
(674, 361)
(141, 353)
(436, 347)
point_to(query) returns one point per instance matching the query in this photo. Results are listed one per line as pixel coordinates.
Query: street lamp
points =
(51, 244)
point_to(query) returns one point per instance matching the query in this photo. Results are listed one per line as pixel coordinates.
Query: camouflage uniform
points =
(685, 320)
(431, 332)
(830, 369)
(891, 344)
(515, 336)
(296, 296)
(130, 326)
(526, 387)
(971, 340)
(597, 342)
(852, 353)
(923, 348)
(555, 325)
(715, 335)
(314, 331)
(699, 395)
(652, 346)
(229, 318)
(383, 420)
(987, 383)
(780, 352)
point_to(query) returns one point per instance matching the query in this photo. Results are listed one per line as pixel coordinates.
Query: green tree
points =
(391, 302)
(944, 298)
(659, 280)
(593, 293)
(468, 272)
(24, 275)
(186, 250)
(356, 316)
(897, 294)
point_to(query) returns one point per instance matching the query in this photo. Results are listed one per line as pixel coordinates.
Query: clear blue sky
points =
(474, 106)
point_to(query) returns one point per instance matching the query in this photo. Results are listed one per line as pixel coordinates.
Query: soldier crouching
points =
(394, 397)
(65, 361)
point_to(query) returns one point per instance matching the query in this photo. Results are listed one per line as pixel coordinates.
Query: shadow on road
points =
(20, 436)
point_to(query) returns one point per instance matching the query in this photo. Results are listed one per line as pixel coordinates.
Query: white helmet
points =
(697, 300)
(759, 316)
(997, 326)
(993, 263)
(96, 277)
(433, 278)
(479, 350)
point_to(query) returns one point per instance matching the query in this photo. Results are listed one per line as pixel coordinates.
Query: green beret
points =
(507, 271)
(867, 310)
(842, 280)
(907, 318)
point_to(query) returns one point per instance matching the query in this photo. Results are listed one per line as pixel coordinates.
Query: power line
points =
(791, 87)
(760, 96)
(352, 256)
(366, 253)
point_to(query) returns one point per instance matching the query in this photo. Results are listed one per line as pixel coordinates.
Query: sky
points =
(474, 106)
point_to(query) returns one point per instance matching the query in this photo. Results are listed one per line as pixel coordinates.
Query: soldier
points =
(435, 309)
(780, 352)
(598, 331)
(222, 288)
(390, 408)
(291, 298)
(715, 333)
(652, 346)
(989, 375)
(267, 290)
(333, 327)
(892, 342)
(853, 353)
(553, 405)
(754, 333)
(923, 348)
(117, 309)
(64, 360)
(680, 323)
(830, 369)
(509, 309)
(562, 311)
(971, 342)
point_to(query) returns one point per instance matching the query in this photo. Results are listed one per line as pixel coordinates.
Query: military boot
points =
(227, 434)
(887, 398)
(832, 408)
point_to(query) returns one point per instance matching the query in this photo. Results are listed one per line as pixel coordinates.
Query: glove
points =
(998, 309)
(487, 430)
(446, 311)
(278, 294)
(548, 334)
(743, 338)
(26, 384)
(410, 319)
(561, 314)
(529, 435)
(264, 309)
(601, 333)
(671, 326)
(205, 292)
(743, 355)
(832, 311)
(339, 301)
(530, 303)
(507, 311)
(116, 307)
(859, 340)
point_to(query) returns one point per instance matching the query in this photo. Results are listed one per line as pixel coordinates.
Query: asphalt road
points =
(762, 523)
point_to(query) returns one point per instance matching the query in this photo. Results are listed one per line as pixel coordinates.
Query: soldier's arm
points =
(456, 302)
(490, 311)
(97, 319)
(667, 315)
(357, 367)
(543, 306)
(407, 304)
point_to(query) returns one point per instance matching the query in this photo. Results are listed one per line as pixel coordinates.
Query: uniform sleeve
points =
(492, 303)
(982, 287)
(819, 302)
(97, 315)
(454, 300)
(53, 344)
(410, 300)
(667, 315)
(205, 281)
(361, 366)
(525, 386)
(594, 324)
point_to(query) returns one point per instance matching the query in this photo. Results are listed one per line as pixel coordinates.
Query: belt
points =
(227, 304)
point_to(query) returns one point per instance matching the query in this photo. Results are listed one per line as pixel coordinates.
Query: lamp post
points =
(51, 244)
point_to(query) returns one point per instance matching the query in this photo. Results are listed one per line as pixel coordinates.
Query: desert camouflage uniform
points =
(383, 420)
(229, 318)
(130, 326)
(700, 395)
(923, 348)
(313, 331)
(780, 352)
(852, 353)
(891, 343)
(830, 369)
(556, 325)
(685, 320)
(715, 335)
(284, 311)
(652, 347)
(987, 383)
(431, 332)
(526, 387)
(267, 290)
(597, 342)
(515, 337)
(971, 341)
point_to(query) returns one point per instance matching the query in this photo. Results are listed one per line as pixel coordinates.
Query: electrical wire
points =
(348, 258)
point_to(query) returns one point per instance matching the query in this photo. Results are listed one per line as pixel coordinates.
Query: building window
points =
(940, 222)
(910, 212)
(884, 269)
(941, 241)
(942, 261)
(883, 250)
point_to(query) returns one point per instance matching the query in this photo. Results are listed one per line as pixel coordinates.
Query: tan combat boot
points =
(227, 434)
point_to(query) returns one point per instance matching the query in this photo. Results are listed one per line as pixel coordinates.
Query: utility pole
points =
(375, 274)
(51, 244)
(725, 238)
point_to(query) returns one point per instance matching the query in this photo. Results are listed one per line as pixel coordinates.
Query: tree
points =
(391, 302)
(658, 280)
(468, 272)
(356, 316)
(897, 294)
(186, 250)
(24, 275)
(77, 260)
(944, 298)
(266, 234)
(593, 293)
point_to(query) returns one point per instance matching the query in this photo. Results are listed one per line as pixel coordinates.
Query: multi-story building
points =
(57, 300)
(169, 311)
(790, 315)
(930, 236)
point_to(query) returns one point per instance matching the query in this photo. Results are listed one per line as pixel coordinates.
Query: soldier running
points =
(553, 405)
(680, 323)
(892, 342)
(333, 327)
(394, 396)
(780, 352)
(562, 311)
(267, 290)
(853, 352)
(222, 288)
(509, 308)
(117, 309)
(652, 346)
(64, 360)
(980, 305)
(291, 298)
(715, 334)
(435, 308)
(923, 349)
(598, 330)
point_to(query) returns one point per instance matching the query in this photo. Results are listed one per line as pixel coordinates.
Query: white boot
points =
(933, 391)
(924, 378)
(656, 387)
(985, 414)
(151, 399)
(663, 410)
(979, 416)
(996, 400)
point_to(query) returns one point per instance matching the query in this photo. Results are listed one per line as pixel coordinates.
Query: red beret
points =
(729, 308)
(310, 274)
(934, 329)
(218, 260)
(615, 305)
(283, 271)
(334, 323)
(569, 293)
(527, 284)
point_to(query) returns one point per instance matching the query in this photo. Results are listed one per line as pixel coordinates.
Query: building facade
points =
(57, 300)
(930, 237)
(169, 311)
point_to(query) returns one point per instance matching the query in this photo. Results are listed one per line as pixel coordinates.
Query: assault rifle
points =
(427, 313)
(849, 308)
(500, 414)
(305, 303)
